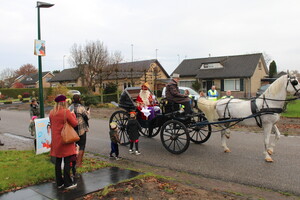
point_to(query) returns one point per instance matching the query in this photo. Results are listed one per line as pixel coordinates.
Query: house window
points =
(29, 79)
(232, 84)
(186, 83)
(211, 66)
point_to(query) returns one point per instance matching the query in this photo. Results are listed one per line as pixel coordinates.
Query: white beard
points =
(145, 94)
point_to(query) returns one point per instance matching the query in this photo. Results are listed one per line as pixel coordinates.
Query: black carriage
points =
(175, 128)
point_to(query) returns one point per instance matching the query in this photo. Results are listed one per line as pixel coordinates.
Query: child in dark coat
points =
(133, 129)
(114, 138)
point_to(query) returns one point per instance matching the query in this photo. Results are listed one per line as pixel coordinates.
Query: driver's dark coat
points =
(173, 93)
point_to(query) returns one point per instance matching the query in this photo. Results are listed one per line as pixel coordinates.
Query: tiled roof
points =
(133, 69)
(66, 75)
(233, 66)
(32, 78)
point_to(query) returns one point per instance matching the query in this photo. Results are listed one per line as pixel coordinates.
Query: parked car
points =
(182, 89)
(262, 89)
(73, 92)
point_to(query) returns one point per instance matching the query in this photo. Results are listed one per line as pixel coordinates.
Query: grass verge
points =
(293, 109)
(24, 168)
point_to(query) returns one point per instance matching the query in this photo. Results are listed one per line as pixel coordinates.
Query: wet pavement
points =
(86, 183)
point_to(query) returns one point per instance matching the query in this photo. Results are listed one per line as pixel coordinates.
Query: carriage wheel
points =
(201, 133)
(150, 132)
(121, 118)
(175, 137)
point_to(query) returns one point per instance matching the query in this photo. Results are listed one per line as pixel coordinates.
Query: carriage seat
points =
(169, 106)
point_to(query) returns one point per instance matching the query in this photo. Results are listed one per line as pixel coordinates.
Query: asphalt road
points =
(244, 165)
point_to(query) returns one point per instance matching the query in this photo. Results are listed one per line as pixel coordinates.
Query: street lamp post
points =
(64, 61)
(41, 95)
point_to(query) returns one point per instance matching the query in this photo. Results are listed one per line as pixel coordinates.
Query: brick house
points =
(124, 74)
(241, 74)
(32, 80)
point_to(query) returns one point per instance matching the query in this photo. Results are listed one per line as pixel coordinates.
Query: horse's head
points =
(293, 85)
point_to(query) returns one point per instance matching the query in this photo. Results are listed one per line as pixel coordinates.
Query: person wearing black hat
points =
(58, 116)
(173, 94)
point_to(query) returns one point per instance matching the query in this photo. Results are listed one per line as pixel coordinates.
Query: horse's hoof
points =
(270, 152)
(227, 151)
(269, 160)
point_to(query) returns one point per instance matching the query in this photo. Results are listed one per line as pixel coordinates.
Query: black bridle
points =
(293, 82)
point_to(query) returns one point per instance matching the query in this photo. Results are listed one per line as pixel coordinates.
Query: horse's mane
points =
(276, 86)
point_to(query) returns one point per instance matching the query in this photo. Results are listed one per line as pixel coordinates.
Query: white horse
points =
(271, 100)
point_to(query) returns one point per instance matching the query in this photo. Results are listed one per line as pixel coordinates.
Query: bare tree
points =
(7, 73)
(7, 77)
(115, 59)
(90, 60)
(77, 55)
(267, 58)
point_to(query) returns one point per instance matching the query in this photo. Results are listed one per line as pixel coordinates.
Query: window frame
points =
(236, 84)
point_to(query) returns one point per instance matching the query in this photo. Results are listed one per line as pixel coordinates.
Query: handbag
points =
(68, 134)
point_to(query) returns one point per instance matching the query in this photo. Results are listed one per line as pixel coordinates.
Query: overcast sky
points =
(177, 29)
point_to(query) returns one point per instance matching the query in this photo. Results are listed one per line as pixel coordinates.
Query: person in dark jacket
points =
(133, 129)
(34, 109)
(173, 94)
(115, 140)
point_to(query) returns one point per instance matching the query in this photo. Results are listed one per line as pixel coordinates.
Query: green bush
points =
(110, 88)
(91, 100)
(8, 102)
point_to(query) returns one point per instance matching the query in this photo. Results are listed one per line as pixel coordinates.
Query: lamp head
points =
(40, 4)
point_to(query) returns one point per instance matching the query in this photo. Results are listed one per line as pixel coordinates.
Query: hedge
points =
(14, 92)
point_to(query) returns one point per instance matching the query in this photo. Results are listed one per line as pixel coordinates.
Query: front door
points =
(209, 83)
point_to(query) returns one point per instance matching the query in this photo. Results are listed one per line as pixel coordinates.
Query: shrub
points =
(26, 94)
(50, 99)
(90, 100)
(2, 97)
(59, 90)
(110, 88)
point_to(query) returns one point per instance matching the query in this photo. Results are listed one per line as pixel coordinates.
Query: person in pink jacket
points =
(59, 150)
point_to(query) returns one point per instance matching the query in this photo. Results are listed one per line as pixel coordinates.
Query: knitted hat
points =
(113, 125)
(60, 98)
(132, 114)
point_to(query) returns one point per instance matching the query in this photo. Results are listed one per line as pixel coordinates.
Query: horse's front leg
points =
(267, 133)
(225, 134)
(277, 136)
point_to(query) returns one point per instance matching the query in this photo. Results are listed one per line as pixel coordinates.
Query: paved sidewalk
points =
(87, 183)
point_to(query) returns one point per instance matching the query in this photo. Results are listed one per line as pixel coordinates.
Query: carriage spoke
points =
(180, 142)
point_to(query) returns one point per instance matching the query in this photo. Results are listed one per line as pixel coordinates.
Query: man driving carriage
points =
(173, 94)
